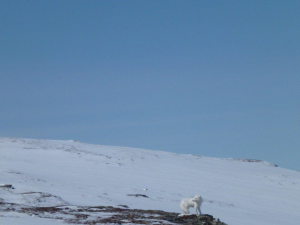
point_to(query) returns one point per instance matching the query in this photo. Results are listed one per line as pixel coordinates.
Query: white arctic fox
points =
(195, 202)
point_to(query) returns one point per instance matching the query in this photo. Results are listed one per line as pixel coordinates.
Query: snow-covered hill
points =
(52, 173)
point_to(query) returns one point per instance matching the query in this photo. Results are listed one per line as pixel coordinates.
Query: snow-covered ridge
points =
(254, 160)
(52, 173)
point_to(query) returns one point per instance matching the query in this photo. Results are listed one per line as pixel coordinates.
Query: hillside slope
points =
(52, 173)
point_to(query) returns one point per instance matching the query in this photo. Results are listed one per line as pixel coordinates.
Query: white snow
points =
(57, 173)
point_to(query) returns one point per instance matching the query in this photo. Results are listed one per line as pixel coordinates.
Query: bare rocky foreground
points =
(37, 205)
(108, 215)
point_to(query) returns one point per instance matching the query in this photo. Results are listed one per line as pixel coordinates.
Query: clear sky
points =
(210, 78)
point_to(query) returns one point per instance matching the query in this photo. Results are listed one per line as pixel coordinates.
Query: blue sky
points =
(211, 78)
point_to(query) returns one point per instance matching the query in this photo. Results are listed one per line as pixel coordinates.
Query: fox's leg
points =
(199, 210)
(196, 208)
(185, 209)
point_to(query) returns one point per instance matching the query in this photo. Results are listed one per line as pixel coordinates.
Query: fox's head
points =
(197, 198)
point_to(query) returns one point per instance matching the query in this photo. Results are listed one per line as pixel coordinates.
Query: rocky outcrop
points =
(109, 215)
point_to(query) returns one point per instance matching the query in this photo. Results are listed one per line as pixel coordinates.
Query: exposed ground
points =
(108, 215)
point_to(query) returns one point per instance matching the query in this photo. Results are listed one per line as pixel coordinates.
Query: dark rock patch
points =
(110, 215)
(138, 195)
(7, 186)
